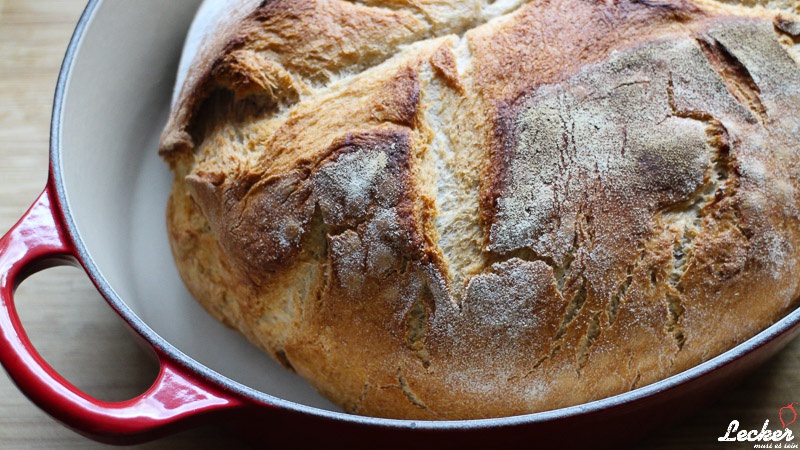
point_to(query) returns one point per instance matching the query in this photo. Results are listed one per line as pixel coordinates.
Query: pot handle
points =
(177, 399)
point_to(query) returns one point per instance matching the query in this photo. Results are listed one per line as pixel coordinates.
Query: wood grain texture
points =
(80, 336)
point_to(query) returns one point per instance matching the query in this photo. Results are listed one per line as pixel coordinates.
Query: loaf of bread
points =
(439, 209)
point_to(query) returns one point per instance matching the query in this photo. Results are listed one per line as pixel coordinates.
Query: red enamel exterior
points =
(176, 400)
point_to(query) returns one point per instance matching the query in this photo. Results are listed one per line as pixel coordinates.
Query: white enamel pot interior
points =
(115, 104)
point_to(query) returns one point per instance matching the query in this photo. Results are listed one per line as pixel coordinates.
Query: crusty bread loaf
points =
(439, 209)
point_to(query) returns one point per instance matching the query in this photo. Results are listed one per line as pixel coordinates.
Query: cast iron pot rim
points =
(775, 330)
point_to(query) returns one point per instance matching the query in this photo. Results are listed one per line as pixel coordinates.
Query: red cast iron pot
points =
(103, 209)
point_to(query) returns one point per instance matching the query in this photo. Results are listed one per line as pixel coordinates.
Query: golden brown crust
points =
(551, 209)
(284, 45)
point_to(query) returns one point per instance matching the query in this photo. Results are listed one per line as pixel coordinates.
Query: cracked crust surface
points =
(452, 210)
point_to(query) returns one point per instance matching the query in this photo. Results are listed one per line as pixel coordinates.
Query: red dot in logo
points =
(790, 412)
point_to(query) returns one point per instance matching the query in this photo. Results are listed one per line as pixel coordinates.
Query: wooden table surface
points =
(74, 330)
